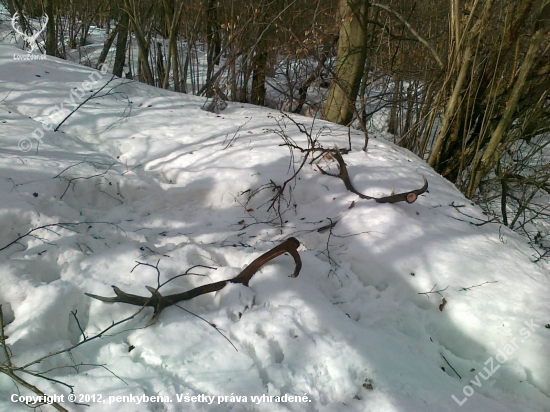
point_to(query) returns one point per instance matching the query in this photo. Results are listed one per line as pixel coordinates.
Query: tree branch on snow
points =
(454, 370)
(62, 225)
(96, 95)
(312, 142)
(84, 102)
(72, 180)
(8, 368)
(433, 291)
(476, 286)
(482, 222)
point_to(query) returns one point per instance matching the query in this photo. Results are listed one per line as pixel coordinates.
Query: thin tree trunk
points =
(349, 63)
(258, 76)
(107, 47)
(51, 37)
(11, 8)
(396, 97)
(491, 153)
(120, 56)
(213, 36)
(461, 84)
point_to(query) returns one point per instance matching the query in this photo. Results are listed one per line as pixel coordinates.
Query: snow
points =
(168, 188)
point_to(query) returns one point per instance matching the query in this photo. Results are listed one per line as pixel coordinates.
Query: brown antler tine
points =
(121, 297)
(293, 250)
(102, 298)
(154, 319)
(423, 188)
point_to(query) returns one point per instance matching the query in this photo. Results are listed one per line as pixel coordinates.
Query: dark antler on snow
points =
(409, 197)
(159, 302)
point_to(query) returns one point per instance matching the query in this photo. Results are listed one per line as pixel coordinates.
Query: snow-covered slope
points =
(160, 180)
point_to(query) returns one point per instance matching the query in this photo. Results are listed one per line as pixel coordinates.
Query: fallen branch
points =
(92, 96)
(476, 286)
(483, 222)
(433, 291)
(8, 368)
(63, 225)
(409, 197)
(451, 366)
(159, 302)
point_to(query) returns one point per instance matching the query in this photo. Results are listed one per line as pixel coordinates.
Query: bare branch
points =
(413, 31)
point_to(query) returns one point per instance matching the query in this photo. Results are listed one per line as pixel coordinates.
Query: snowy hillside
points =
(146, 176)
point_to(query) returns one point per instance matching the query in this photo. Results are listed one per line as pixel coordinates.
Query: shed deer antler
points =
(409, 197)
(30, 40)
(159, 302)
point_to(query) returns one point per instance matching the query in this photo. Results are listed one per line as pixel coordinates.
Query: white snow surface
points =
(157, 179)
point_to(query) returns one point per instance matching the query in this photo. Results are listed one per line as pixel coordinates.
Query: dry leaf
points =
(241, 222)
(443, 303)
(249, 210)
(368, 386)
(352, 204)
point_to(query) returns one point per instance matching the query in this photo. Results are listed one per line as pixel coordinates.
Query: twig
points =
(483, 222)
(476, 286)
(10, 369)
(61, 224)
(327, 227)
(209, 323)
(156, 267)
(187, 274)
(71, 180)
(451, 366)
(81, 104)
(235, 137)
(433, 291)
(78, 323)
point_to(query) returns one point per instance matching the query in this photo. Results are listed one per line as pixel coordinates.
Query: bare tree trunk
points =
(213, 36)
(51, 35)
(11, 9)
(411, 97)
(258, 76)
(142, 38)
(185, 71)
(396, 97)
(492, 151)
(465, 60)
(120, 56)
(107, 47)
(160, 66)
(172, 18)
(352, 49)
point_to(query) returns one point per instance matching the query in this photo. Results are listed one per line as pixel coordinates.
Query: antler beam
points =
(409, 197)
(159, 302)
